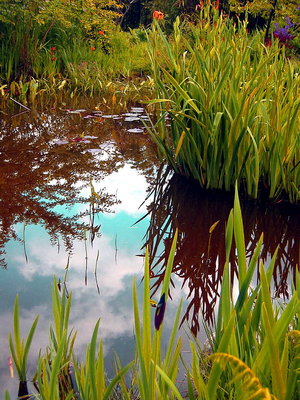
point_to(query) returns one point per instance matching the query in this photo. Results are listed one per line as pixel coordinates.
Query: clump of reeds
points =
(233, 104)
(254, 346)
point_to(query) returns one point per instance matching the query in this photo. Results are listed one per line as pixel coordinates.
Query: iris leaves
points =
(234, 107)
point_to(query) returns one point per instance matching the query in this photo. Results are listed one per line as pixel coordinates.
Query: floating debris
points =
(92, 151)
(59, 141)
(109, 116)
(137, 109)
(135, 130)
(80, 140)
(131, 119)
(77, 111)
(89, 116)
(130, 115)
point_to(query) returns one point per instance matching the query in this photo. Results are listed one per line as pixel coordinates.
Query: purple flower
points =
(289, 23)
(283, 34)
(160, 312)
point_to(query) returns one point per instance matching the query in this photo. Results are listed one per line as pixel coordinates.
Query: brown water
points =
(47, 159)
(71, 183)
(200, 217)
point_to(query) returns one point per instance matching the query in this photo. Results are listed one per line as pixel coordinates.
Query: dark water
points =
(71, 188)
(200, 217)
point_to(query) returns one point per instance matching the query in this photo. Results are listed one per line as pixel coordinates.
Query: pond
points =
(82, 194)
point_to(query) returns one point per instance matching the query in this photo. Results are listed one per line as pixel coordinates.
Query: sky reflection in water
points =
(32, 167)
(62, 186)
(32, 280)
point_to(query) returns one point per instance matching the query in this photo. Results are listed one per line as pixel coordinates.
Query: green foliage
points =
(234, 107)
(29, 26)
(254, 350)
(19, 349)
(283, 8)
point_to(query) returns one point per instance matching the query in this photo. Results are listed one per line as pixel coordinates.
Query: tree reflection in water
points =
(40, 178)
(200, 257)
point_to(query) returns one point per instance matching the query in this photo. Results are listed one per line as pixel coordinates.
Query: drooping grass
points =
(234, 107)
(255, 340)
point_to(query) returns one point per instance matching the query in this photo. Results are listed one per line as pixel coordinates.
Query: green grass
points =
(234, 106)
(254, 348)
(116, 66)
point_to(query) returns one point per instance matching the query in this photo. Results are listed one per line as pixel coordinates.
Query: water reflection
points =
(200, 257)
(46, 162)
(65, 176)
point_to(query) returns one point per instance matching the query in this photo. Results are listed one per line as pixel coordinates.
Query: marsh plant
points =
(254, 346)
(233, 104)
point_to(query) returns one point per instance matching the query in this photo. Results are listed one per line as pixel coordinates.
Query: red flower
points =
(199, 6)
(268, 42)
(158, 15)
(101, 33)
(53, 58)
(53, 48)
(93, 48)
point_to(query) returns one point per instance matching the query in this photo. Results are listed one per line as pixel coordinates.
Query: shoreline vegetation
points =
(225, 82)
(253, 346)
(226, 96)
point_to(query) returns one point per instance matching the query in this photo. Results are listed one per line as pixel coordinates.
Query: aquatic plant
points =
(200, 216)
(233, 105)
(255, 339)
(19, 349)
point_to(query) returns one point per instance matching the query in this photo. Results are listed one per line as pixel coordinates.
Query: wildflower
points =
(158, 15)
(216, 4)
(283, 34)
(101, 33)
(93, 48)
(199, 6)
(160, 312)
(53, 48)
(268, 42)
(53, 58)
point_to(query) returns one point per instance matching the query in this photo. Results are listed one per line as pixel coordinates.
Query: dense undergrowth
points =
(75, 67)
(233, 104)
(253, 346)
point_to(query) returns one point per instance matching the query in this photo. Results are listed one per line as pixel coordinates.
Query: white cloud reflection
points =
(115, 270)
(130, 188)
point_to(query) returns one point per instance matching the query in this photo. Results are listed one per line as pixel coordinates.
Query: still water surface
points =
(73, 184)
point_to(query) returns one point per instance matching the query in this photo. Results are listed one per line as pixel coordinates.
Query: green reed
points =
(20, 349)
(234, 106)
(254, 347)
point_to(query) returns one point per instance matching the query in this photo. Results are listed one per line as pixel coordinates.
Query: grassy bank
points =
(62, 67)
(233, 104)
(78, 48)
(253, 352)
